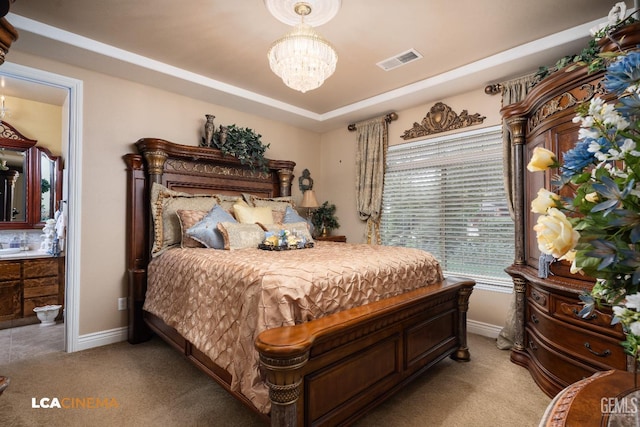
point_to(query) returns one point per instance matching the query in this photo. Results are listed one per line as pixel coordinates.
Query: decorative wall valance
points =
(442, 118)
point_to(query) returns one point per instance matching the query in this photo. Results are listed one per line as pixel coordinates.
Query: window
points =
(446, 195)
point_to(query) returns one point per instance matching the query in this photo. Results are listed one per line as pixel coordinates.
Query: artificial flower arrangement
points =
(598, 228)
(284, 240)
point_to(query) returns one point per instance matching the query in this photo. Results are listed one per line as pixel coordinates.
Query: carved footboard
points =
(334, 369)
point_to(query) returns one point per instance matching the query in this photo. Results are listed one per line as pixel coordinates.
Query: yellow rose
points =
(541, 160)
(591, 197)
(555, 234)
(545, 200)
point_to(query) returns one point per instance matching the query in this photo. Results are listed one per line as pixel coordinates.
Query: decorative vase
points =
(325, 232)
(208, 129)
(222, 136)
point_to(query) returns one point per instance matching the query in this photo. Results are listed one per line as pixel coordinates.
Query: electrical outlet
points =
(122, 303)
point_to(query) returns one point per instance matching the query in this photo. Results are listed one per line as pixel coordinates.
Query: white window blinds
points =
(446, 195)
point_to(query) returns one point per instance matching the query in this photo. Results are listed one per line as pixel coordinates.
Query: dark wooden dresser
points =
(557, 345)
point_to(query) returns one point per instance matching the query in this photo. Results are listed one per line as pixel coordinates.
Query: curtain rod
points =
(388, 118)
(493, 89)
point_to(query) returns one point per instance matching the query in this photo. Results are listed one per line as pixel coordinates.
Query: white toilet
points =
(47, 314)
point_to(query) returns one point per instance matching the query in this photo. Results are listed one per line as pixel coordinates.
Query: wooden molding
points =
(442, 118)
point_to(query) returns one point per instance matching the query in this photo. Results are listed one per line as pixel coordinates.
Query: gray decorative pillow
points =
(206, 231)
(241, 236)
(291, 216)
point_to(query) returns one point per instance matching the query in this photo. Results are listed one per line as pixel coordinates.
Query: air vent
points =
(400, 59)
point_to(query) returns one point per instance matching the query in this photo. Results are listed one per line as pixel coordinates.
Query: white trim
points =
(98, 339)
(72, 114)
(484, 329)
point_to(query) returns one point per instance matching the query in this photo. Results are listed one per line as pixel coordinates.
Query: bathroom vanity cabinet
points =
(27, 283)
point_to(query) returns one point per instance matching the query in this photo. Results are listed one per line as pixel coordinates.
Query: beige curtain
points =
(512, 91)
(373, 140)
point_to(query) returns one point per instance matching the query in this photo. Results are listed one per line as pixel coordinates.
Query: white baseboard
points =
(98, 339)
(484, 329)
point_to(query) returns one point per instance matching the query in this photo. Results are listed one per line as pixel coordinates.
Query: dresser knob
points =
(605, 353)
(534, 319)
(533, 346)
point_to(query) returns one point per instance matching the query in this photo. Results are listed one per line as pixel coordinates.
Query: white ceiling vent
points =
(400, 59)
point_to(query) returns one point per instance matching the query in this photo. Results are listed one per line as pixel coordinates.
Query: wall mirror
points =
(30, 181)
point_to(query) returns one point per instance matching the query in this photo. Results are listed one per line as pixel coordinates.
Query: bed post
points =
(140, 236)
(285, 177)
(284, 379)
(462, 354)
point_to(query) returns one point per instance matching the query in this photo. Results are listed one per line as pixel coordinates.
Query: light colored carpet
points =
(154, 385)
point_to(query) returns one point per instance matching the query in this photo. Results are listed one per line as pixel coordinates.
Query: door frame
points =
(72, 183)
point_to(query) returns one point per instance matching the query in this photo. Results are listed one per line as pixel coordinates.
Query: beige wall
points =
(37, 120)
(117, 112)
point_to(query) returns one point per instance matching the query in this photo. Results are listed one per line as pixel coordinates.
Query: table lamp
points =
(309, 201)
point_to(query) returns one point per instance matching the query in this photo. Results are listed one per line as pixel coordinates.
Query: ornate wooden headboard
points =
(189, 169)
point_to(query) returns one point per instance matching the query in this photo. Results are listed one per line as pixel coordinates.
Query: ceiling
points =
(216, 50)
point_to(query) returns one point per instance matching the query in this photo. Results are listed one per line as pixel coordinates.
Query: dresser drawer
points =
(9, 270)
(601, 351)
(567, 310)
(538, 296)
(40, 287)
(40, 267)
(564, 369)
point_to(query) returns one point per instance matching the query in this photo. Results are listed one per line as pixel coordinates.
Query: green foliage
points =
(324, 217)
(590, 56)
(44, 186)
(242, 143)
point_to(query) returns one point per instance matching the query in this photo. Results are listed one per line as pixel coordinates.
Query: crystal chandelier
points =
(302, 58)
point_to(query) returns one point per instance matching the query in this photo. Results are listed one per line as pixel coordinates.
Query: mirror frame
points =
(12, 139)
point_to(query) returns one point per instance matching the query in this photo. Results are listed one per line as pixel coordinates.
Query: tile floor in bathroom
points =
(24, 342)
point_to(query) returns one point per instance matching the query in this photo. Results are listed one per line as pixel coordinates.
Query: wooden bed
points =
(328, 371)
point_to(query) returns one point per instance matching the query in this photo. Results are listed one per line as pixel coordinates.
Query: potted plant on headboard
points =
(324, 219)
(242, 143)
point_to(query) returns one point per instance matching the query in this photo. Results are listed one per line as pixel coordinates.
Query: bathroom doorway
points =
(43, 86)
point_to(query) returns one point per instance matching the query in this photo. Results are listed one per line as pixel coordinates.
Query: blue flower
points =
(604, 250)
(623, 73)
(629, 106)
(629, 219)
(577, 158)
(610, 191)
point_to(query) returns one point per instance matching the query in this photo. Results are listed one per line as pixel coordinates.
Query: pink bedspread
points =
(221, 300)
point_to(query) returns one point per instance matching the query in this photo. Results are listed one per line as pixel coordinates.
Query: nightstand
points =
(342, 239)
